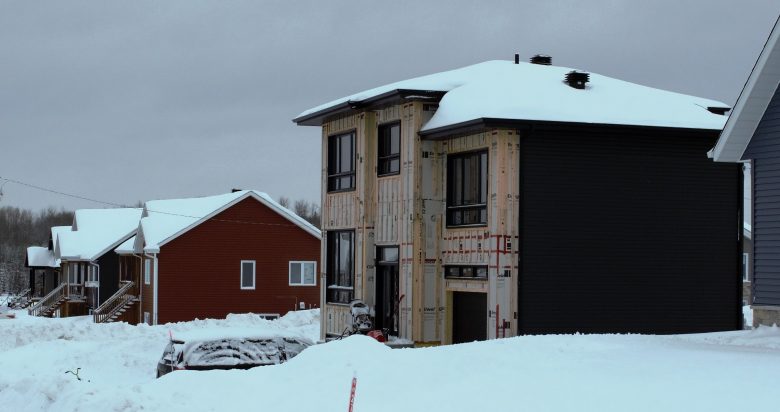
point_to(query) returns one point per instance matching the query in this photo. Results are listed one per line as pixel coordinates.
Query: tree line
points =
(20, 228)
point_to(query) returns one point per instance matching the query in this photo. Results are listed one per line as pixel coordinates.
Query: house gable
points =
(204, 264)
(752, 103)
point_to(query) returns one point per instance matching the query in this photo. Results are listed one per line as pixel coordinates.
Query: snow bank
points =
(708, 372)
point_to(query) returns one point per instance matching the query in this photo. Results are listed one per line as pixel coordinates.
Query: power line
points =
(7, 180)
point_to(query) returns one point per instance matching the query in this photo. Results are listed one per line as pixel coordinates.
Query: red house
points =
(232, 253)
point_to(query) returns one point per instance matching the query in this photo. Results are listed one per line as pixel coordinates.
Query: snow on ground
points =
(708, 372)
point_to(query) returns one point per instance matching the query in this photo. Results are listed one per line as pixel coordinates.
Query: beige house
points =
(422, 205)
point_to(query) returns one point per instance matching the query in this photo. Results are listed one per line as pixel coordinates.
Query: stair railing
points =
(115, 303)
(46, 302)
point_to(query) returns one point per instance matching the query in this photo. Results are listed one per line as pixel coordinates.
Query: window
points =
(92, 273)
(73, 274)
(340, 266)
(269, 316)
(247, 274)
(467, 189)
(389, 150)
(147, 271)
(147, 318)
(303, 273)
(745, 267)
(478, 272)
(341, 162)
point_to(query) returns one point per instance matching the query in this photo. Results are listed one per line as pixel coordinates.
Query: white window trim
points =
(301, 262)
(147, 271)
(241, 275)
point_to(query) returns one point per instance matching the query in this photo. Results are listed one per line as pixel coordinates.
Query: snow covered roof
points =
(56, 230)
(38, 256)
(532, 92)
(752, 102)
(96, 231)
(165, 220)
(126, 248)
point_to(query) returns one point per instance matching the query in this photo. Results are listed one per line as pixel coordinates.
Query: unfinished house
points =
(88, 265)
(504, 199)
(208, 257)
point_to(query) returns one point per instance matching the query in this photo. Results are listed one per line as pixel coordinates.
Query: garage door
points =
(627, 233)
(469, 317)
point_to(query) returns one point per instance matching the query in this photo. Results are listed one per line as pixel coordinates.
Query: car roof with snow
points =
(534, 92)
(204, 335)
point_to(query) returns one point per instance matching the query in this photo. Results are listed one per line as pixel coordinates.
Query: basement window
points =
(389, 150)
(341, 162)
(302, 273)
(467, 189)
(340, 266)
(247, 274)
(467, 272)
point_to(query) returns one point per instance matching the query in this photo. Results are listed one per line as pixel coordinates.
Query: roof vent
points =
(577, 79)
(542, 59)
(718, 110)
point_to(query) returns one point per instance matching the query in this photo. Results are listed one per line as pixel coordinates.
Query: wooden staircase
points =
(49, 304)
(119, 306)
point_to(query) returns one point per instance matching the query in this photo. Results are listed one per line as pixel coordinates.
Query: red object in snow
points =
(352, 392)
(376, 334)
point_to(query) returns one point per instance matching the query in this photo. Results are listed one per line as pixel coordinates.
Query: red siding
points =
(200, 271)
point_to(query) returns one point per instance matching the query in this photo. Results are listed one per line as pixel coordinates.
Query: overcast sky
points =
(128, 101)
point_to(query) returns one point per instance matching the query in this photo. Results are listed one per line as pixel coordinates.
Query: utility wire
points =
(119, 205)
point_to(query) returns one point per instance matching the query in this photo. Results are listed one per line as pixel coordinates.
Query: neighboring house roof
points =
(752, 102)
(40, 257)
(126, 248)
(165, 220)
(97, 232)
(531, 92)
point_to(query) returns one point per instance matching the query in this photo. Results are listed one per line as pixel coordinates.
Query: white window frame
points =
(301, 262)
(254, 275)
(147, 271)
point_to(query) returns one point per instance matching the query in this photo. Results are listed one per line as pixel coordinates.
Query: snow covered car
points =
(229, 352)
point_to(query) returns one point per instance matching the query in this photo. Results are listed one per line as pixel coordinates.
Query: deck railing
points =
(75, 291)
(47, 301)
(115, 303)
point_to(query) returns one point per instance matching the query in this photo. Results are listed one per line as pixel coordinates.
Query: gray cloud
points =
(127, 101)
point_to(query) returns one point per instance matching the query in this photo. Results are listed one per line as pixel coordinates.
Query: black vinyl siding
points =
(109, 275)
(764, 150)
(628, 231)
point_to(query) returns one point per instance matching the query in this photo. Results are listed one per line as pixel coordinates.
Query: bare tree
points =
(19, 229)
